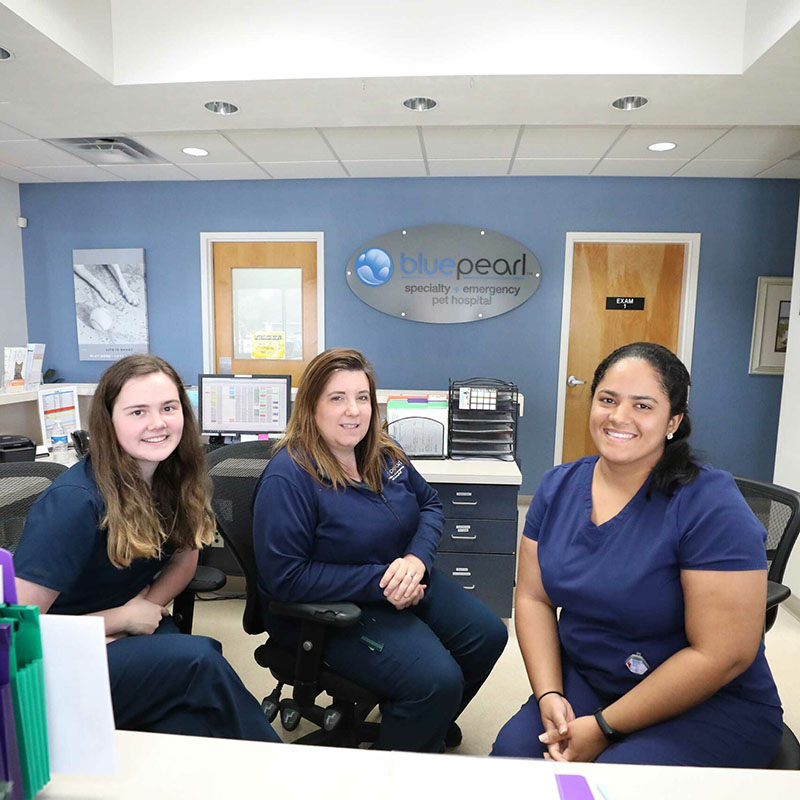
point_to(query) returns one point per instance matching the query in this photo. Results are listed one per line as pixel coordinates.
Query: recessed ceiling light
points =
(420, 103)
(194, 151)
(5, 55)
(221, 107)
(660, 147)
(629, 103)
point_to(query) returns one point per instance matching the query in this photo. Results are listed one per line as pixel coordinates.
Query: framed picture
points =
(770, 326)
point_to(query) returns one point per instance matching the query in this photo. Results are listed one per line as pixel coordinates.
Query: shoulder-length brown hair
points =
(141, 519)
(304, 441)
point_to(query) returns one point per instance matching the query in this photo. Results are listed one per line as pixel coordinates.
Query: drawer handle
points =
(464, 502)
(463, 494)
(465, 538)
(469, 588)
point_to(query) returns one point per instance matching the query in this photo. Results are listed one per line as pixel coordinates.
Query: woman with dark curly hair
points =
(659, 568)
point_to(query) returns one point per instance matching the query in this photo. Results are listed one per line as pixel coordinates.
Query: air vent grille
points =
(109, 150)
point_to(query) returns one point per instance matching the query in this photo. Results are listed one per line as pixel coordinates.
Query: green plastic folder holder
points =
(27, 688)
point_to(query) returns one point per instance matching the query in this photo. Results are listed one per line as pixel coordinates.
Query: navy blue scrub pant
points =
(723, 731)
(171, 682)
(426, 661)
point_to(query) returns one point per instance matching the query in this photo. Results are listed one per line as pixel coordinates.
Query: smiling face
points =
(148, 420)
(630, 416)
(343, 412)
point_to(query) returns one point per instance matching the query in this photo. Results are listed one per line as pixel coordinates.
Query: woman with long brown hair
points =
(340, 513)
(118, 535)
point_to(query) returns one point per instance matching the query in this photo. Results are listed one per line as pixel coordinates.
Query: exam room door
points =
(265, 307)
(601, 273)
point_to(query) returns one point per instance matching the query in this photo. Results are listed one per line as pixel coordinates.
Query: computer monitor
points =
(231, 405)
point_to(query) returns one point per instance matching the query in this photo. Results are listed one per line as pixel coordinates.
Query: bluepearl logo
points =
(374, 267)
(443, 273)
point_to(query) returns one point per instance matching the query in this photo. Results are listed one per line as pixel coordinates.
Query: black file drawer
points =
(489, 577)
(478, 501)
(479, 535)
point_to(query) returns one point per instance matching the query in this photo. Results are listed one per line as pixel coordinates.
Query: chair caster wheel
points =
(331, 719)
(269, 708)
(290, 717)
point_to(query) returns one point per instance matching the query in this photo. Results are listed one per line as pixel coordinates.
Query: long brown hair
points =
(141, 519)
(304, 441)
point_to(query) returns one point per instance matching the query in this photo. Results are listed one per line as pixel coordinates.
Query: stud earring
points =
(669, 436)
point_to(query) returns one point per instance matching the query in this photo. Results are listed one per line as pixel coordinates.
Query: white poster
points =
(110, 303)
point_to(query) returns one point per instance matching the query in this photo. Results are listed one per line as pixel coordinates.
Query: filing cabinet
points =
(479, 541)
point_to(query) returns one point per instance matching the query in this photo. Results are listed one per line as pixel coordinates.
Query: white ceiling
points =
(523, 86)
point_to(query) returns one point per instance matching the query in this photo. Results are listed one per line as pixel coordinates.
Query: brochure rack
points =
(482, 420)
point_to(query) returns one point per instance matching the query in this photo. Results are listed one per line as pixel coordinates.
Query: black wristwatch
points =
(608, 731)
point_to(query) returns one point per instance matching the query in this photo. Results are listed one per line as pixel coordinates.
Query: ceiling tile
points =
(718, 168)
(374, 144)
(639, 168)
(691, 141)
(552, 166)
(786, 169)
(33, 153)
(386, 169)
(478, 142)
(304, 169)
(286, 144)
(562, 142)
(20, 175)
(768, 144)
(83, 174)
(170, 146)
(226, 172)
(149, 172)
(469, 166)
(7, 134)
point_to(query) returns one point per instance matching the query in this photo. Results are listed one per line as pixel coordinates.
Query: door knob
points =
(573, 381)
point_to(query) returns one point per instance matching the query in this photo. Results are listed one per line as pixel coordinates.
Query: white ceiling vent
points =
(109, 150)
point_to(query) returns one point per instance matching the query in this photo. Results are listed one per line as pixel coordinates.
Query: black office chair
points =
(235, 470)
(778, 509)
(206, 579)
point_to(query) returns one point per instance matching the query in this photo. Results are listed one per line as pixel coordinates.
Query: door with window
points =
(265, 307)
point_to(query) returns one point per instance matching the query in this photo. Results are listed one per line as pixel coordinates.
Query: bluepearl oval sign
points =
(443, 273)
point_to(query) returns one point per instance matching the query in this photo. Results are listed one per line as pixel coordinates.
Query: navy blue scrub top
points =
(62, 548)
(618, 583)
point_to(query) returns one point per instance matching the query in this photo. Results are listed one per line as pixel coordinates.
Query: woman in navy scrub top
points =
(339, 514)
(117, 536)
(659, 569)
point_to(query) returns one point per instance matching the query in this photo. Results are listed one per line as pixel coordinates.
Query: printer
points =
(16, 448)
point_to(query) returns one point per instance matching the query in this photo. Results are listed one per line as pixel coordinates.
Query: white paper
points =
(80, 719)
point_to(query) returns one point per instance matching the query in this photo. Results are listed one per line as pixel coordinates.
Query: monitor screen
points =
(250, 404)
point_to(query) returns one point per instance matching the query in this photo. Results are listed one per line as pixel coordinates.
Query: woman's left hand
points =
(583, 741)
(402, 577)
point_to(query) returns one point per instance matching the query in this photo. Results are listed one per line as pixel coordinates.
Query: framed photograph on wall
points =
(770, 326)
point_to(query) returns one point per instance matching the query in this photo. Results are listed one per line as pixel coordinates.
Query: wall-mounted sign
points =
(443, 273)
(625, 303)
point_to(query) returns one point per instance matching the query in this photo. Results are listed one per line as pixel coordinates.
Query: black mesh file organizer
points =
(482, 419)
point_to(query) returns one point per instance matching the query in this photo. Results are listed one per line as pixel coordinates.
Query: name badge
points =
(636, 664)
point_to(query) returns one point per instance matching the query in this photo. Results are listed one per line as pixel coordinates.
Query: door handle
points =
(573, 381)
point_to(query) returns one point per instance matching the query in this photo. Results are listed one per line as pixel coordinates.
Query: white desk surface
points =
(468, 470)
(156, 766)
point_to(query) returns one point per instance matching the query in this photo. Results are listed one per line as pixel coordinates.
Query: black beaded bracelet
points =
(544, 694)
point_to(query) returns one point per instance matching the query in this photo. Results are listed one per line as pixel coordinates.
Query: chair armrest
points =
(336, 615)
(207, 579)
(776, 594)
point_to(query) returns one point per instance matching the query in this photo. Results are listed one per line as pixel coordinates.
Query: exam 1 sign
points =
(443, 273)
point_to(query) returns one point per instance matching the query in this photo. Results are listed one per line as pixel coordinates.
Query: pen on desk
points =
(604, 793)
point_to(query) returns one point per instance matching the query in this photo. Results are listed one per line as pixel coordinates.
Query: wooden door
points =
(265, 307)
(602, 274)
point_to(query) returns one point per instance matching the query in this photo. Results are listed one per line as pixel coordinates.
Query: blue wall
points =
(747, 227)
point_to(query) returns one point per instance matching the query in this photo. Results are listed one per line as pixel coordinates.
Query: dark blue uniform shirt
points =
(618, 583)
(315, 543)
(63, 548)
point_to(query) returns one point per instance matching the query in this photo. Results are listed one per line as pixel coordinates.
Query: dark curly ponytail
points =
(677, 466)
